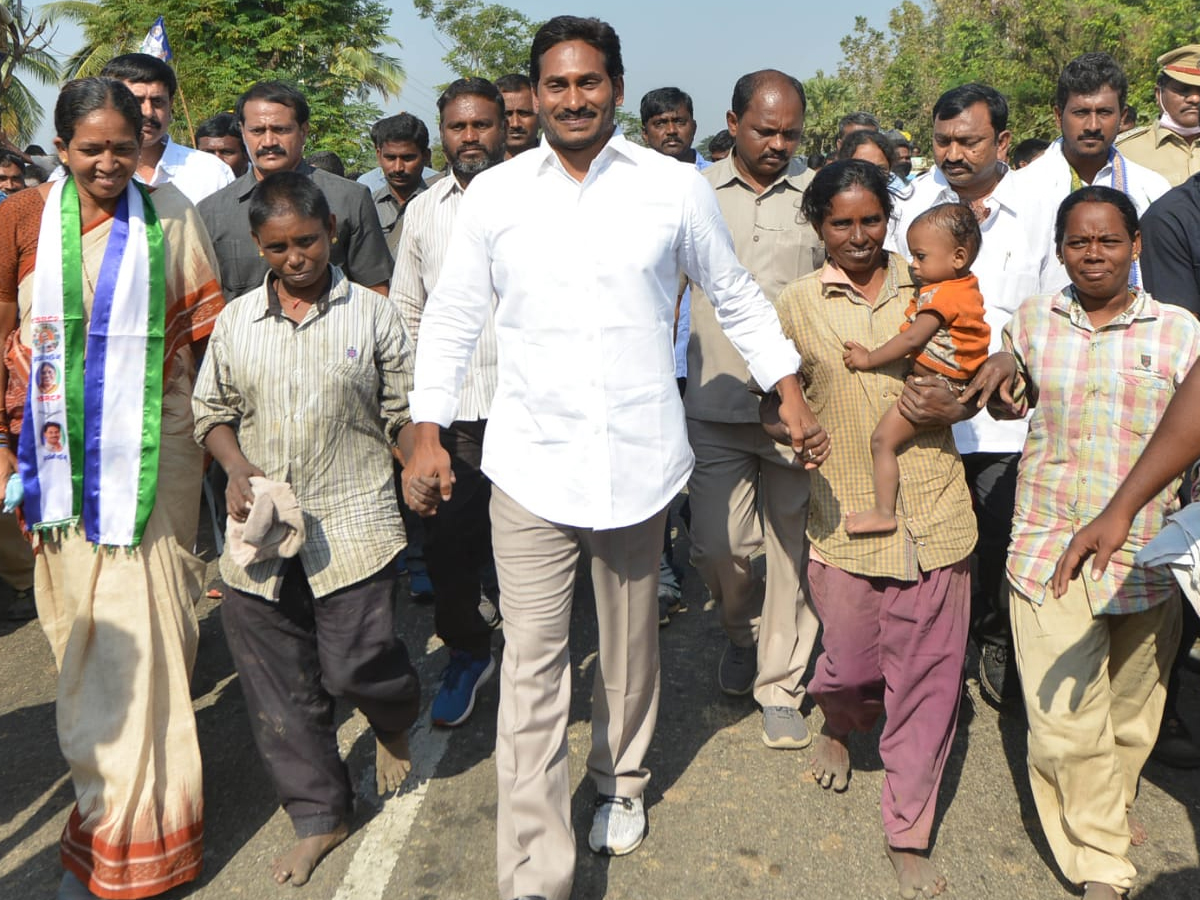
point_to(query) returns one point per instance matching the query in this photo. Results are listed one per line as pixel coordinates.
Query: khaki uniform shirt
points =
(933, 506)
(1172, 156)
(777, 245)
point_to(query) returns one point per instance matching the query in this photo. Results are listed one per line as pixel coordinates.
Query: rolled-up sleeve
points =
(454, 316)
(745, 315)
(394, 360)
(215, 401)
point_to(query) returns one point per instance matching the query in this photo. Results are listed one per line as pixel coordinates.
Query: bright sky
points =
(703, 50)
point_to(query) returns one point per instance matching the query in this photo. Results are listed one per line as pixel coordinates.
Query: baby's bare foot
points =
(831, 760)
(393, 762)
(1137, 831)
(296, 866)
(916, 874)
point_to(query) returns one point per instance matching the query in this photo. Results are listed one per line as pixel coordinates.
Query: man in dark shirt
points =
(1171, 246)
(274, 120)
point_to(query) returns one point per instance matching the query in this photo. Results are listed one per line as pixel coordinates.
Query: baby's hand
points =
(857, 357)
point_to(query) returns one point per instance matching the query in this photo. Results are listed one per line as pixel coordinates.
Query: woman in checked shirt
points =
(1097, 362)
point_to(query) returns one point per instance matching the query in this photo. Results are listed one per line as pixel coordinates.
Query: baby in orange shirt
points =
(944, 328)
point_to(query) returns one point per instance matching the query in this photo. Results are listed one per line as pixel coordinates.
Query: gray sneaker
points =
(784, 728)
(739, 666)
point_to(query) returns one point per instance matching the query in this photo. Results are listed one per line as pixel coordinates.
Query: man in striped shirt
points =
(458, 544)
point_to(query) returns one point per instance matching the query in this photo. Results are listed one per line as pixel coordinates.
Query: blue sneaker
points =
(420, 588)
(460, 683)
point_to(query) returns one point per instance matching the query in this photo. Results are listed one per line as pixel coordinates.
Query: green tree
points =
(333, 50)
(486, 40)
(1017, 46)
(829, 98)
(23, 57)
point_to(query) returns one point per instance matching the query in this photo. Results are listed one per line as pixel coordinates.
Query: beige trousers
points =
(740, 471)
(1094, 688)
(535, 561)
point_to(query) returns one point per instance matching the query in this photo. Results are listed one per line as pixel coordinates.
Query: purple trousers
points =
(895, 647)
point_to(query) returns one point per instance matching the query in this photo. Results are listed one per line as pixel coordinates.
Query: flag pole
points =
(187, 115)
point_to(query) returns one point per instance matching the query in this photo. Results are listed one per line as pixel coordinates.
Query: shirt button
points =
(756, 237)
(758, 202)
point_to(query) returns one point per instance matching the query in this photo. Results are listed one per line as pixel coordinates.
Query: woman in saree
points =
(107, 288)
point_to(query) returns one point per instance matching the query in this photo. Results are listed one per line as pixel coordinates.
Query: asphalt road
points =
(728, 817)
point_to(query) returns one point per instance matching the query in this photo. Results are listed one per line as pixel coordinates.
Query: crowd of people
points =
(911, 393)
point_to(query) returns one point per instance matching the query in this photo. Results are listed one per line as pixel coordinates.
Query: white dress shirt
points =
(1046, 182)
(587, 427)
(428, 224)
(195, 173)
(1012, 263)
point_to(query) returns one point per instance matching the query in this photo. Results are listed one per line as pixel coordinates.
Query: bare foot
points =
(916, 874)
(831, 760)
(1137, 831)
(872, 521)
(1097, 891)
(295, 866)
(393, 762)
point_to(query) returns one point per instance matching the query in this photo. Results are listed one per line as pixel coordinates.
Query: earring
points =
(260, 254)
(334, 241)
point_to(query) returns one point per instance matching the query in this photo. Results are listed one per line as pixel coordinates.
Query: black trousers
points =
(293, 659)
(992, 480)
(458, 544)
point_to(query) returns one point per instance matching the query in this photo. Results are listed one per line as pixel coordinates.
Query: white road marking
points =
(385, 835)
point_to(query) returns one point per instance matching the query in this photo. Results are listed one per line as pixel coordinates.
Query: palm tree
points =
(23, 57)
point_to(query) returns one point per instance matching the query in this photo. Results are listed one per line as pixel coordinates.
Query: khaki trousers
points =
(535, 561)
(740, 470)
(1094, 688)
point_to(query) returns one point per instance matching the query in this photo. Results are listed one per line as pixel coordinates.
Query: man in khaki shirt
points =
(739, 470)
(1171, 145)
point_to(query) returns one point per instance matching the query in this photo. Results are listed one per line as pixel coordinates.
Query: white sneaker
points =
(618, 826)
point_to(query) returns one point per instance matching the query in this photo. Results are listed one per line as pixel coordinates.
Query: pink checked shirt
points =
(1097, 396)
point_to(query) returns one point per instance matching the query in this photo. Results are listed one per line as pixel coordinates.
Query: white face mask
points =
(1170, 124)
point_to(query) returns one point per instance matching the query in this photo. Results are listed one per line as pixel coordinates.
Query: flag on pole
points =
(155, 42)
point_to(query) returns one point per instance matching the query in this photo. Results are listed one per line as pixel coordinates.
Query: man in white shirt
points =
(1087, 108)
(458, 540)
(152, 81)
(970, 134)
(581, 241)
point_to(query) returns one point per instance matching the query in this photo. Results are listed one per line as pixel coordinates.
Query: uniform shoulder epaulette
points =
(1131, 134)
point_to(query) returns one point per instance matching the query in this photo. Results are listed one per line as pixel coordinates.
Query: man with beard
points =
(970, 136)
(518, 109)
(1171, 145)
(1087, 108)
(577, 246)
(152, 81)
(458, 540)
(739, 470)
(402, 150)
(274, 121)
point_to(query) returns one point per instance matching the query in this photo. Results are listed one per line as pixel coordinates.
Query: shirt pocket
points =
(1141, 397)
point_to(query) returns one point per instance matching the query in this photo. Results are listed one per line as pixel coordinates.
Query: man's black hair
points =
(958, 100)
(513, 83)
(665, 99)
(1087, 74)
(401, 128)
(864, 119)
(274, 92)
(221, 125)
(471, 87)
(141, 68)
(1027, 151)
(722, 141)
(592, 32)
